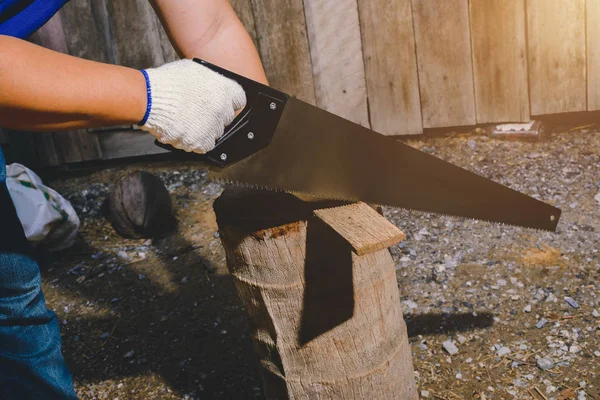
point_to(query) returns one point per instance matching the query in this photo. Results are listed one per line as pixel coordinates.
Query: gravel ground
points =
(493, 311)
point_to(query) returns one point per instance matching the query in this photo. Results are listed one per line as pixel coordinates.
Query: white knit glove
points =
(190, 105)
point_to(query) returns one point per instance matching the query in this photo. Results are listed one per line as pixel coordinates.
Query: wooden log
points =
(593, 54)
(327, 322)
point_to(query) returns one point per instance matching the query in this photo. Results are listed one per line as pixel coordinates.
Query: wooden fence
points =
(397, 66)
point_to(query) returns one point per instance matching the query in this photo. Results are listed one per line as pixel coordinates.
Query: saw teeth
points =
(326, 197)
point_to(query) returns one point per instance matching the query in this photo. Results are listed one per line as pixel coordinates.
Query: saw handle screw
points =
(273, 106)
(552, 218)
(250, 135)
(223, 157)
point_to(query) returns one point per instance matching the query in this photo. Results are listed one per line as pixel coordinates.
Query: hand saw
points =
(281, 143)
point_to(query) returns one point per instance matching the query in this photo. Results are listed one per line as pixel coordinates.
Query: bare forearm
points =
(211, 30)
(43, 90)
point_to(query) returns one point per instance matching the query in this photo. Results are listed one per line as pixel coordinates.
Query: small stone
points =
(550, 389)
(541, 323)
(581, 395)
(473, 145)
(124, 256)
(425, 394)
(596, 314)
(184, 279)
(574, 349)
(461, 339)
(450, 347)
(423, 346)
(129, 354)
(527, 308)
(501, 282)
(503, 351)
(597, 353)
(114, 300)
(459, 376)
(523, 347)
(469, 360)
(582, 384)
(597, 197)
(545, 363)
(551, 298)
(571, 302)
(410, 304)
(104, 336)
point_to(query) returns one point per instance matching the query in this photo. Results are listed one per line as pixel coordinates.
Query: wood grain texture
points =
(388, 43)
(87, 31)
(244, 11)
(444, 61)
(327, 323)
(135, 30)
(593, 54)
(336, 53)
(168, 51)
(76, 146)
(283, 45)
(362, 227)
(499, 43)
(557, 67)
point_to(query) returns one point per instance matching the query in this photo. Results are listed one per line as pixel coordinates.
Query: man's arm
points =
(43, 90)
(210, 29)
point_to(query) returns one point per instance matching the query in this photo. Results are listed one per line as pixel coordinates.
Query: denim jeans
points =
(31, 362)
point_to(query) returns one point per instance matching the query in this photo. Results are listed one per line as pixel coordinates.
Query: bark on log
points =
(326, 322)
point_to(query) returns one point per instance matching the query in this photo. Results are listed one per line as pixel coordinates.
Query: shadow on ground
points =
(194, 335)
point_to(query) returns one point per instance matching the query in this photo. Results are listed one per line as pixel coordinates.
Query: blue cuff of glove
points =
(149, 98)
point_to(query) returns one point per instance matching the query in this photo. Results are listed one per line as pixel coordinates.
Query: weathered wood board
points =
(557, 67)
(336, 54)
(244, 11)
(499, 51)
(86, 30)
(135, 30)
(283, 44)
(593, 54)
(392, 81)
(444, 58)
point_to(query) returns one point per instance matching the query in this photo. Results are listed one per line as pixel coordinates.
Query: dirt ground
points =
(159, 319)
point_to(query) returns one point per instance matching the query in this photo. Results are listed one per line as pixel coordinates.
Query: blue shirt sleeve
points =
(20, 18)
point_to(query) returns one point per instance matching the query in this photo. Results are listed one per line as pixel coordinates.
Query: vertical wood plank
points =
(168, 51)
(500, 60)
(283, 44)
(76, 146)
(243, 9)
(593, 54)
(336, 54)
(557, 67)
(86, 30)
(390, 66)
(135, 30)
(444, 61)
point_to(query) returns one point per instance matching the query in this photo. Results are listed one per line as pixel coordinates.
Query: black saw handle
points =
(252, 129)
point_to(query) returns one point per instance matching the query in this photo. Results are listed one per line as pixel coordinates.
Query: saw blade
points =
(320, 154)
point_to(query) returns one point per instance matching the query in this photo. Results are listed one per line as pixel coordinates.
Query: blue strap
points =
(148, 98)
(20, 18)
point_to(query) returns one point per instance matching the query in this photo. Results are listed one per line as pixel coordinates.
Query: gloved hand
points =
(190, 105)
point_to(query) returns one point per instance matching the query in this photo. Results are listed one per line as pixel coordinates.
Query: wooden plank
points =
(283, 44)
(499, 60)
(135, 30)
(593, 54)
(77, 145)
(122, 144)
(243, 9)
(444, 61)
(336, 54)
(362, 227)
(391, 66)
(86, 30)
(168, 51)
(557, 66)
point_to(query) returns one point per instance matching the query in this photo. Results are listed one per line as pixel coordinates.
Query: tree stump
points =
(320, 287)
